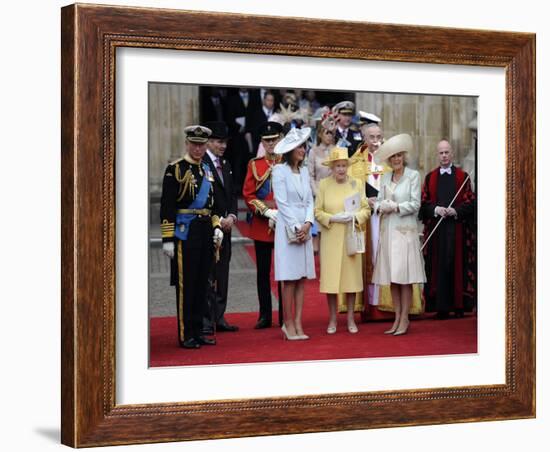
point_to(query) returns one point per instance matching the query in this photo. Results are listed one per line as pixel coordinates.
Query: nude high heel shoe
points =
(402, 330)
(287, 336)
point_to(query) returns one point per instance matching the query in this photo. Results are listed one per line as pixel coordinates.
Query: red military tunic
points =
(258, 195)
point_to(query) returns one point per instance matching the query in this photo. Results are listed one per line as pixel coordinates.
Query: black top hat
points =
(218, 128)
(271, 129)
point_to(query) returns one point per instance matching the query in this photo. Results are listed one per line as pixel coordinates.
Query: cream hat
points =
(293, 139)
(396, 144)
(336, 153)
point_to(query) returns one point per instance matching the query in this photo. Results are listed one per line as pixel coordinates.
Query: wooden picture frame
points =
(90, 37)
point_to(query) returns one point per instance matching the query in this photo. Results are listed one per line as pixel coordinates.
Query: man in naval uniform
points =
(190, 230)
(345, 135)
(258, 195)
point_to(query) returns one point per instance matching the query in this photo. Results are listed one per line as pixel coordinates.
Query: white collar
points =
(447, 170)
(212, 156)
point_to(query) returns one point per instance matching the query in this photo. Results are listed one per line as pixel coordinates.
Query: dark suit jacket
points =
(225, 196)
(255, 121)
(354, 137)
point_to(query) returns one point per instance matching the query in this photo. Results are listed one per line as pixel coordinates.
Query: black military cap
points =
(271, 129)
(197, 134)
(218, 128)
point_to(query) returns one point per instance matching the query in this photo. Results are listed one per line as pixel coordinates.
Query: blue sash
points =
(264, 190)
(183, 220)
(261, 193)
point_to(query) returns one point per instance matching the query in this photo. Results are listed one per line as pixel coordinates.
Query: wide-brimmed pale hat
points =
(294, 138)
(396, 144)
(336, 153)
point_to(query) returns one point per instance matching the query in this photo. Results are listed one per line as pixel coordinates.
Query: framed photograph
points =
(118, 65)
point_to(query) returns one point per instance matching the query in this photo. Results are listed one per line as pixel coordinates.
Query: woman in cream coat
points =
(294, 261)
(399, 261)
(340, 273)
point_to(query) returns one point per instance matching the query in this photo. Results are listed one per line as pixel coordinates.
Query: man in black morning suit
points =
(240, 143)
(225, 200)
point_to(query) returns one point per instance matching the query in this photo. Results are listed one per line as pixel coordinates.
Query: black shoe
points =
(202, 340)
(190, 343)
(442, 315)
(207, 331)
(263, 323)
(224, 326)
(459, 314)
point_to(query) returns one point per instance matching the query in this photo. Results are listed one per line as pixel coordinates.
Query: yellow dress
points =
(340, 273)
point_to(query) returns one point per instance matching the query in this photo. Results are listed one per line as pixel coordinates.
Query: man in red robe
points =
(450, 254)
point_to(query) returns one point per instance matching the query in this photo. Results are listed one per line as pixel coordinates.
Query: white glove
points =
(342, 217)
(387, 206)
(451, 212)
(271, 224)
(168, 249)
(393, 206)
(440, 211)
(218, 237)
(271, 214)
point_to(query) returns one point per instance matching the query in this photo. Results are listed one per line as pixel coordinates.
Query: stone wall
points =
(171, 108)
(427, 119)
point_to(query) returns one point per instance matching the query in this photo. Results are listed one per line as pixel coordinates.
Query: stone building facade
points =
(427, 118)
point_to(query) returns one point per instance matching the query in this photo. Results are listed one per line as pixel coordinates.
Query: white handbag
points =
(355, 239)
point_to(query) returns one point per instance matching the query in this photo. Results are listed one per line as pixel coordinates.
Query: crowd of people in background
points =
(316, 178)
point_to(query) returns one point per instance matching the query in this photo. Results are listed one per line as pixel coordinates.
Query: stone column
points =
(428, 119)
(172, 107)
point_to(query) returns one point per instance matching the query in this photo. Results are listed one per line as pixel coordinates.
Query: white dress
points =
(294, 200)
(398, 258)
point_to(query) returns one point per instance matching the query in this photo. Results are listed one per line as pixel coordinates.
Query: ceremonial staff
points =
(441, 219)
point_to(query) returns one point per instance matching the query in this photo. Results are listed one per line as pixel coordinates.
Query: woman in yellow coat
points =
(340, 273)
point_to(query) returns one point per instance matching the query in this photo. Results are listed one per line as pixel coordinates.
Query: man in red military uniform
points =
(258, 194)
(451, 251)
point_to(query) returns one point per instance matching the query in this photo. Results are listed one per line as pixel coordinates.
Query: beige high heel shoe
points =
(287, 336)
(403, 330)
(393, 329)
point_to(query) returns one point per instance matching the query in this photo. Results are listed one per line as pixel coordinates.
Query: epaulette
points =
(176, 161)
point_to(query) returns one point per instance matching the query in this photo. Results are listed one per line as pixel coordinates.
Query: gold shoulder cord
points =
(187, 182)
(260, 180)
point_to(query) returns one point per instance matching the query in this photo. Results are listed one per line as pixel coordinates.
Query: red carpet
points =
(425, 337)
